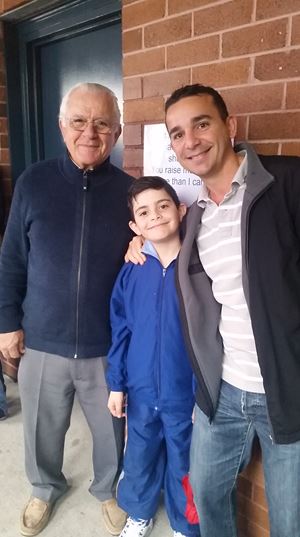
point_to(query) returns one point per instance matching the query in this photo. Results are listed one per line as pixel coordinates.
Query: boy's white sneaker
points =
(178, 534)
(137, 527)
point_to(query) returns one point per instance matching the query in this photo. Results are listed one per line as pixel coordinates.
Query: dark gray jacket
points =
(270, 231)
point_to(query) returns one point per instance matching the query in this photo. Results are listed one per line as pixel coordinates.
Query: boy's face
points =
(156, 216)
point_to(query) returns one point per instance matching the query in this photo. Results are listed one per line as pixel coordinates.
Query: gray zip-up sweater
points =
(270, 234)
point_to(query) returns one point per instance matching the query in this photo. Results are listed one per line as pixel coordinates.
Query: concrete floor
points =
(78, 513)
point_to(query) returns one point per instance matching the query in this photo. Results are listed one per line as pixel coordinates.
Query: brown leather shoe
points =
(35, 516)
(114, 517)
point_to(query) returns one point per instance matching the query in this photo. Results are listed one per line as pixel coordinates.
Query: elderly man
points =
(64, 244)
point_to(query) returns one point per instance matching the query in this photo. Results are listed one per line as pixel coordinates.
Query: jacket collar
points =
(258, 178)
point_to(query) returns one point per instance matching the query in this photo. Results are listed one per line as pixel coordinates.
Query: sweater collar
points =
(74, 174)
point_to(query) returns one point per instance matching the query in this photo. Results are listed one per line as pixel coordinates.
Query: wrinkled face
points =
(156, 216)
(89, 148)
(199, 137)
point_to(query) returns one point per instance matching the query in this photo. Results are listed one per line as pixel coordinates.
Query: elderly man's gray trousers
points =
(47, 387)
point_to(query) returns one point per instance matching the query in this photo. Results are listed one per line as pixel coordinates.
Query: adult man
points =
(239, 284)
(64, 244)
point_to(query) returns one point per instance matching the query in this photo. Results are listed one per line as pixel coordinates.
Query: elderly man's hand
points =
(134, 253)
(12, 344)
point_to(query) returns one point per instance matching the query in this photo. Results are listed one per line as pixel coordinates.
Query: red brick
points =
(10, 4)
(2, 61)
(229, 73)
(293, 94)
(3, 97)
(272, 8)
(165, 83)
(10, 367)
(144, 62)
(134, 172)
(176, 6)
(266, 149)
(5, 173)
(291, 148)
(259, 495)
(133, 158)
(168, 31)
(254, 470)
(254, 530)
(3, 126)
(142, 12)
(3, 110)
(132, 40)
(4, 140)
(132, 88)
(257, 38)
(193, 52)
(242, 123)
(275, 126)
(132, 135)
(253, 511)
(2, 78)
(5, 156)
(223, 16)
(277, 65)
(244, 486)
(151, 109)
(242, 524)
(253, 98)
(296, 30)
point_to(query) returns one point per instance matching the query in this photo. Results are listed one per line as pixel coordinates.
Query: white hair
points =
(89, 87)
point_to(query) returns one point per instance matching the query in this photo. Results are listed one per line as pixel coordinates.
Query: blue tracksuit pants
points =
(156, 458)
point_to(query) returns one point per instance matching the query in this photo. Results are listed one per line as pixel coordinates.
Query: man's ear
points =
(61, 128)
(117, 134)
(182, 210)
(231, 123)
(134, 227)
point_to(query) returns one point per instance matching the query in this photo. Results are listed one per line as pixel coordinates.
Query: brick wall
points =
(250, 51)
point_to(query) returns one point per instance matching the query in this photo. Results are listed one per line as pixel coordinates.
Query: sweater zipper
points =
(84, 188)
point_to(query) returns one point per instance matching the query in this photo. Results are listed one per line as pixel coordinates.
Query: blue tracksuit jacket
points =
(148, 357)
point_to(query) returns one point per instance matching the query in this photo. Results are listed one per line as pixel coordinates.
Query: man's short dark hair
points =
(145, 183)
(198, 89)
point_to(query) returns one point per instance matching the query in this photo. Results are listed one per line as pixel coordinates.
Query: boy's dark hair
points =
(198, 89)
(145, 183)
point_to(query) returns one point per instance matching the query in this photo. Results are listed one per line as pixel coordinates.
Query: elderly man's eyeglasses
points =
(81, 123)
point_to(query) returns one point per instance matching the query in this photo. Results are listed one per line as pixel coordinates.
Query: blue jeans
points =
(3, 402)
(221, 449)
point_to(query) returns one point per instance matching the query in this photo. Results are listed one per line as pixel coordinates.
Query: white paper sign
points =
(160, 159)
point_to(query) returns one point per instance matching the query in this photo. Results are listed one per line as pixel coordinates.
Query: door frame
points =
(23, 39)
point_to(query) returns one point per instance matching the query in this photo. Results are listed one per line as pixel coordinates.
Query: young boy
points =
(148, 360)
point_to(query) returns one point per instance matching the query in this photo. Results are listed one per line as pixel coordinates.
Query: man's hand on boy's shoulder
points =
(116, 404)
(134, 252)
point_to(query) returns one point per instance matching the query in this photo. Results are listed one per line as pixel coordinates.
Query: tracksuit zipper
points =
(164, 270)
(84, 188)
